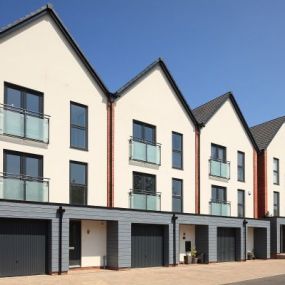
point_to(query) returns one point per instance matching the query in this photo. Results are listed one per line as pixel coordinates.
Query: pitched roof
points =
(48, 10)
(149, 68)
(265, 132)
(206, 111)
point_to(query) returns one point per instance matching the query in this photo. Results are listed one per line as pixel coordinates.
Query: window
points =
(219, 194)
(177, 150)
(78, 183)
(241, 166)
(276, 171)
(241, 205)
(218, 153)
(143, 182)
(144, 132)
(22, 164)
(24, 98)
(276, 203)
(78, 126)
(177, 195)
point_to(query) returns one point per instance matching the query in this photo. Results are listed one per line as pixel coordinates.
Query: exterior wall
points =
(39, 57)
(186, 233)
(276, 150)
(152, 100)
(93, 243)
(219, 130)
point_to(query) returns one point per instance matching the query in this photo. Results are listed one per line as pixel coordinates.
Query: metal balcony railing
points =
(144, 200)
(219, 168)
(145, 151)
(17, 122)
(24, 188)
(220, 208)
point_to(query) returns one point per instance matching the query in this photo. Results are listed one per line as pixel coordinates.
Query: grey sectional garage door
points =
(147, 245)
(226, 248)
(23, 247)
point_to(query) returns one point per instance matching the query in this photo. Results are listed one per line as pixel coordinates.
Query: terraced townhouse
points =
(117, 180)
(270, 136)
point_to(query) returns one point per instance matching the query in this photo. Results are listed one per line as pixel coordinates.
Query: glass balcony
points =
(220, 208)
(145, 200)
(24, 124)
(144, 151)
(219, 168)
(24, 188)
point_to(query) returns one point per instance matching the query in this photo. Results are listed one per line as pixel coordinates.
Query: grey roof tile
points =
(265, 132)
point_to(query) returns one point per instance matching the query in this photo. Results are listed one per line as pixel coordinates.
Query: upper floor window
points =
(177, 195)
(78, 126)
(276, 171)
(144, 132)
(177, 150)
(23, 177)
(143, 182)
(22, 114)
(241, 203)
(78, 183)
(275, 203)
(219, 194)
(218, 152)
(241, 166)
(23, 98)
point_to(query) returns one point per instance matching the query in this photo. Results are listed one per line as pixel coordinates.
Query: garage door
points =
(147, 245)
(226, 249)
(23, 246)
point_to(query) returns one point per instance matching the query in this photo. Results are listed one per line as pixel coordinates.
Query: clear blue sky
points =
(210, 46)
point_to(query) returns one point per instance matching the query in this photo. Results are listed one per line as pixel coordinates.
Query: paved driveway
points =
(218, 273)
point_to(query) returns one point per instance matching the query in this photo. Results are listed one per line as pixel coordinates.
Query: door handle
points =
(71, 248)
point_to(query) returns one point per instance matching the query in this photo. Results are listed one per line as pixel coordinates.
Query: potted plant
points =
(188, 258)
(250, 255)
(194, 255)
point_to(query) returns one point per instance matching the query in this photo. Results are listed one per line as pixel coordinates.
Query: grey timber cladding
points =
(119, 222)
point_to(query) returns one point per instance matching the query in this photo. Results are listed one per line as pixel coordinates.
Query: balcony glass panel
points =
(145, 152)
(219, 169)
(24, 189)
(15, 122)
(37, 191)
(220, 209)
(145, 201)
(37, 128)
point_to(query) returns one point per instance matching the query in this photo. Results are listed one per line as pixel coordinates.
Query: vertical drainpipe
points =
(244, 226)
(173, 219)
(60, 212)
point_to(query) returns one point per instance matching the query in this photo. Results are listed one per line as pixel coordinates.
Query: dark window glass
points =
(241, 204)
(177, 195)
(17, 163)
(13, 97)
(177, 150)
(144, 182)
(276, 203)
(276, 171)
(78, 128)
(78, 183)
(241, 166)
(144, 132)
(219, 194)
(218, 153)
(21, 97)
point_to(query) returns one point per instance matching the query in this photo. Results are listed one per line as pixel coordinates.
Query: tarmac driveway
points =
(216, 273)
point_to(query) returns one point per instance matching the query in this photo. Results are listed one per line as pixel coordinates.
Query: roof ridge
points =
(266, 122)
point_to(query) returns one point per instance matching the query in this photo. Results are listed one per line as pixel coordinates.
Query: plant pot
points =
(187, 259)
(194, 260)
